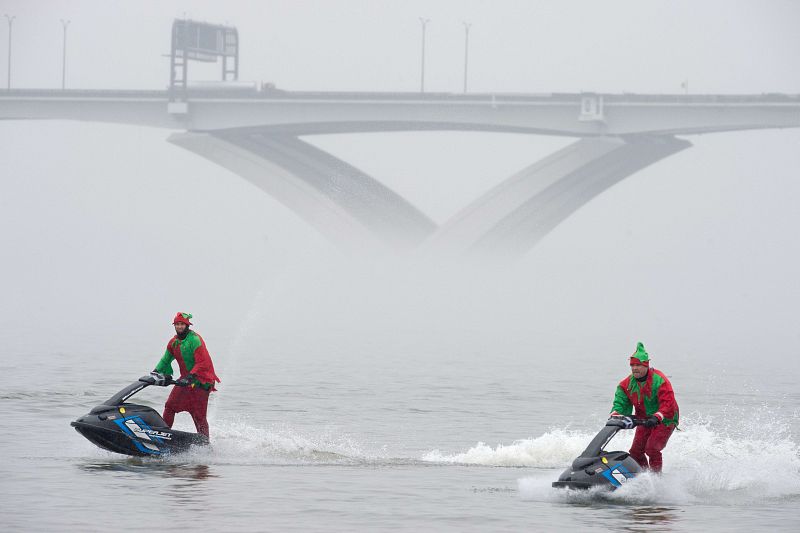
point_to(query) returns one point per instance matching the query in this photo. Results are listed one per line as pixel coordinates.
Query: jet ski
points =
(132, 429)
(595, 467)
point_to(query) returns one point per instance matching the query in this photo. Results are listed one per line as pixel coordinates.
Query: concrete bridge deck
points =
(304, 112)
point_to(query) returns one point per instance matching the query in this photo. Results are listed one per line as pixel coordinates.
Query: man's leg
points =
(658, 439)
(168, 416)
(173, 405)
(638, 445)
(198, 410)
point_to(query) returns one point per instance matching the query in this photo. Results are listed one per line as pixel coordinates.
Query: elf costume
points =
(196, 367)
(650, 396)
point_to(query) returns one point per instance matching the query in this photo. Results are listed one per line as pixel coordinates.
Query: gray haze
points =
(384, 365)
(694, 253)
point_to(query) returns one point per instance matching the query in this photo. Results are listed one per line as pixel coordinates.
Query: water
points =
(355, 438)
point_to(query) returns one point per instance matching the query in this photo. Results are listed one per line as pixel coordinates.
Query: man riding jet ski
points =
(647, 393)
(133, 429)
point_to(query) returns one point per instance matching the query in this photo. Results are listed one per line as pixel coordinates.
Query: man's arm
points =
(667, 406)
(203, 369)
(164, 365)
(622, 404)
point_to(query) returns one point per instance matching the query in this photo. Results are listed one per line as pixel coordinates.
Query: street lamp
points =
(466, 52)
(64, 23)
(10, 20)
(422, 75)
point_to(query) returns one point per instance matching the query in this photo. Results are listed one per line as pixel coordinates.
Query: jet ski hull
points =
(575, 485)
(608, 471)
(135, 430)
(596, 467)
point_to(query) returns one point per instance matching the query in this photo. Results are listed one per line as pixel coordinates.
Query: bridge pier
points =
(355, 211)
(513, 217)
(346, 205)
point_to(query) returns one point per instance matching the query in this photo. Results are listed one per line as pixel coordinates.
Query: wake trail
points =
(731, 462)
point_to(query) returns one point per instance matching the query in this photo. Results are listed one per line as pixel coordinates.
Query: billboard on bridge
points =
(200, 41)
(204, 42)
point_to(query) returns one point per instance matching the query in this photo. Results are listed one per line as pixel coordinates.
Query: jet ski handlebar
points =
(625, 422)
(154, 378)
(163, 380)
(612, 426)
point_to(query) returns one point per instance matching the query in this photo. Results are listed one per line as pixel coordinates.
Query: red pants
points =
(191, 399)
(650, 441)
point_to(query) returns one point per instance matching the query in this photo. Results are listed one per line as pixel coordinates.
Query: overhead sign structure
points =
(200, 41)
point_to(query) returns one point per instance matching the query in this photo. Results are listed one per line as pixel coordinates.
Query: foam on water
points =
(758, 462)
(729, 463)
(238, 442)
(555, 448)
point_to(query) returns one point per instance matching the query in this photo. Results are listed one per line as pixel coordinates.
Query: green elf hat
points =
(182, 318)
(640, 356)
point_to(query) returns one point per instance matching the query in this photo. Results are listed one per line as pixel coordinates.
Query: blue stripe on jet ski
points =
(609, 474)
(141, 423)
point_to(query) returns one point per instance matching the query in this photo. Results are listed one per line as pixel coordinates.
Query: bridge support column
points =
(343, 203)
(514, 216)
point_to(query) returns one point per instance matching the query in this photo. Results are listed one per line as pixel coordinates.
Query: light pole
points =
(10, 20)
(422, 75)
(64, 23)
(466, 52)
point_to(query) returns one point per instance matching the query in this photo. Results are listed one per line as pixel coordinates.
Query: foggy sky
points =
(525, 46)
(108, 230)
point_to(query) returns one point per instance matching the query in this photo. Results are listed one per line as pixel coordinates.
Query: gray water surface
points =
(467, 441)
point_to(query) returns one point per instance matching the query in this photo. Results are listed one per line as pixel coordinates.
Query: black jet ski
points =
(133, 429)
(596, 467)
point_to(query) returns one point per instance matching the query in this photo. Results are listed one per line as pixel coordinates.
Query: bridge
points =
(256, 133)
